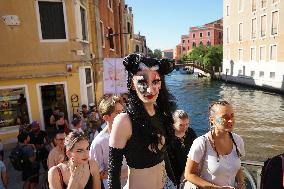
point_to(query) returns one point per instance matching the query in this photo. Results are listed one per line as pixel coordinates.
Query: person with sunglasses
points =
(214, 158)
(56, 155)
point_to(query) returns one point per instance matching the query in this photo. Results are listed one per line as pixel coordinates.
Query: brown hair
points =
(72, 138)
(107, 104)
(180, 114)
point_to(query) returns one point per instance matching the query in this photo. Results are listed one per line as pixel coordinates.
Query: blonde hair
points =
(107, 104)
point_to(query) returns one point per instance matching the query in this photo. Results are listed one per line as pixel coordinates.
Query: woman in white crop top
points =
(217, 153)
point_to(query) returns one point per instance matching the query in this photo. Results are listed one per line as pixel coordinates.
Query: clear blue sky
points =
(164, 21)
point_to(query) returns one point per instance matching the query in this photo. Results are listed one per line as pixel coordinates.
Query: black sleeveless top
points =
(89, 184)
(138, 151)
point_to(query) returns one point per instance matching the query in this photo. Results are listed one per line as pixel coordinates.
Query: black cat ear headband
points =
(137, 62)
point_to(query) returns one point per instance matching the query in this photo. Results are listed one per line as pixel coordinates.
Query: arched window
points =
(200, 43)
(208, 43)
(137, 48)
(193, 44)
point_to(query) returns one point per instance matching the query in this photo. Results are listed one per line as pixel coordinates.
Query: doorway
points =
(52, 96)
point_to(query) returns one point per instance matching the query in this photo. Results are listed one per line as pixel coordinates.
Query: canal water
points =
(259, 115)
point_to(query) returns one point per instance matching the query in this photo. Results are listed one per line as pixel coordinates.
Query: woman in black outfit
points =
(181, 143)
(141, 134)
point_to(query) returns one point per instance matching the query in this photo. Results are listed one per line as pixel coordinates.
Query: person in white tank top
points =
(214, 158)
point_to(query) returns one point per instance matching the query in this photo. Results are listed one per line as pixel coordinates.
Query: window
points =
(89, 87)
(227, 35)
(102, 33)
(240, 31)
(200, 34)
(252, 53)
(208, 33)
(193, 35)
(187, 41)
(274, 1)
(253, 5)
(84, 30)
(273, 51)
(252, 73)
(129, 29)
(220, 35)
(201, 43)
(261, 74)
(227, 10)
(13, 105)
(90, 94)
(88, 74)
(110, 38)
(263, 4)
(253, 28)
(240, 54)
(272, 75)
(262, 53)
(52, 21)
(263, 25)
(183, 41)
(208, 43)
(274, 25)
(240, 5)
(183, 48)
(193, 44)
(109, 4)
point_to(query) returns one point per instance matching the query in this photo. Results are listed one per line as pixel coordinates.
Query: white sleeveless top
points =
(221, 173)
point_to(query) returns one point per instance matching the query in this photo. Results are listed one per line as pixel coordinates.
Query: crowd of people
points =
(137, 142)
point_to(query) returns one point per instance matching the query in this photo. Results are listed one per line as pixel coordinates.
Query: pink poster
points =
(114, 76)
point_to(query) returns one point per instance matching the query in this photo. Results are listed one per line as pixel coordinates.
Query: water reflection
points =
(259, 114)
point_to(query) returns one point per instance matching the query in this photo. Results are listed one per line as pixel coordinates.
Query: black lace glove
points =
(169, 169)
(114, 170)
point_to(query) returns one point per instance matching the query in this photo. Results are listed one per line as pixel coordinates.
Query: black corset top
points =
(139, 150)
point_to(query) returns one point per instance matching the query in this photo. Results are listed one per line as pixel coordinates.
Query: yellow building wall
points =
(72, 83)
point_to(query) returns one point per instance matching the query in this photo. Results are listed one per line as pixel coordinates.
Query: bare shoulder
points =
(121, 131)
(122, 122)
(121, 119)
(53, 174)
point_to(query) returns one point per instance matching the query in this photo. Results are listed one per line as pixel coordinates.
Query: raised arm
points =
(95, 174)
(120, 134)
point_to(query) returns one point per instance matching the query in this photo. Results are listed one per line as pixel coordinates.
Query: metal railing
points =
(252, 180)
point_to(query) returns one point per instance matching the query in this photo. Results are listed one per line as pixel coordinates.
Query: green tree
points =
(213, 57)
(157, 53)
(198, 53)
(208, 55)
(150, 53)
